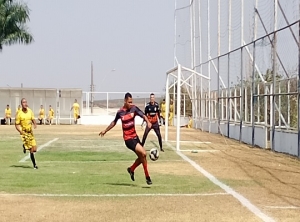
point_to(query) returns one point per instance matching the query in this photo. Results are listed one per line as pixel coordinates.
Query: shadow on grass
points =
(126, 184)
(122, 184)
(20, 166)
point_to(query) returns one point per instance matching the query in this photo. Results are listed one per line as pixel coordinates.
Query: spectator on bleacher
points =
(41, 115)
(7, 115)
(75, 109)
(18, 109)
(50, 115)
(190, 123)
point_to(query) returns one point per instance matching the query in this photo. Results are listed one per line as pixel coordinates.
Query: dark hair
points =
(152, 94)
(127, 95)
(164, 100)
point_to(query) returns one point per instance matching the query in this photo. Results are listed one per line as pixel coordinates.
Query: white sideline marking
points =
(183, 141)
(40, 148)
(99, 161)
(282, 207)
(244, 201)
(199, 151)
(119, 195)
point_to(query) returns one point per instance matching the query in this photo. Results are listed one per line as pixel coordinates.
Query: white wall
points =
(286, 142)
(260, 132)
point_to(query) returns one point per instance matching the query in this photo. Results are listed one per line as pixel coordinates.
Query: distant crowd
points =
(42, 118)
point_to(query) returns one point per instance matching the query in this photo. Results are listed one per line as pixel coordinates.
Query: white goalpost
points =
(181, 78)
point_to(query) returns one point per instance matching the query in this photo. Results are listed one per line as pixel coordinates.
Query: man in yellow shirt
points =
(41, 115)
(24, 121)
(163, 111)
(50, 115)
(7, 115)
(76, 113)
(171, 113)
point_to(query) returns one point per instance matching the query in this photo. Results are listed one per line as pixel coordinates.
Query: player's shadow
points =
(125, 184)
(122, 184)
(20, 166)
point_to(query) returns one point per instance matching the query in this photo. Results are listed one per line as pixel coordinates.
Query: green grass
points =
(75, 166)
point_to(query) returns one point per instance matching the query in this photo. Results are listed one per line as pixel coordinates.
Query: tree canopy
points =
(13, 18)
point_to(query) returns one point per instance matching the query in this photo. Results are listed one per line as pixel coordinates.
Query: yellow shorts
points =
(28, 140)
(76, 115)
(41, 117)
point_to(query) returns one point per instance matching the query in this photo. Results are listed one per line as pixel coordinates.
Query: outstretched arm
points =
(111, 125)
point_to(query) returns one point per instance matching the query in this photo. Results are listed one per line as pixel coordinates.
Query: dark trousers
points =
(155, 127)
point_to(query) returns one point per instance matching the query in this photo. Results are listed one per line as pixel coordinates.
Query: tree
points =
(13, 18)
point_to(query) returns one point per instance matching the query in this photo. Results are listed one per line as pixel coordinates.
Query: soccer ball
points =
(154, 154)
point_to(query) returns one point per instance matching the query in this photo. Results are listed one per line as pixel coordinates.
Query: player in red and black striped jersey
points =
(152, 112)
(127, 114)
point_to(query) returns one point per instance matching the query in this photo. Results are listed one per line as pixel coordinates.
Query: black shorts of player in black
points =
(152, 112)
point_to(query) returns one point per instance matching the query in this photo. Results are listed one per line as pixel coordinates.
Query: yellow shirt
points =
(25, 120)
(8, 113)
(163, 108)
(42, 112)
(18, 110)
(51, 113)
(76, 108)
(171, 108)
(190, 124)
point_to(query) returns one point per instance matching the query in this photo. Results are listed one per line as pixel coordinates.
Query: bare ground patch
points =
(198, 208)
(264, 177)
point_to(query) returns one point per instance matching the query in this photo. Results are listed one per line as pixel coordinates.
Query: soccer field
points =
(83, 177)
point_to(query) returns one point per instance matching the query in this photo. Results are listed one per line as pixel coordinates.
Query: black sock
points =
(32, 158)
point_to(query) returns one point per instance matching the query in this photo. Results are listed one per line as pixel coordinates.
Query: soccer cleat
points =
(35, 167)
(24, 150)
(148, 181)
(162, 150)
(130, 173)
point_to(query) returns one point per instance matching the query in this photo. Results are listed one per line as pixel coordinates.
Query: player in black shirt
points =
(152, 112)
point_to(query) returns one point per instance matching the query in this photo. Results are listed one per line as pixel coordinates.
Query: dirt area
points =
(200, 208)
(269, 180)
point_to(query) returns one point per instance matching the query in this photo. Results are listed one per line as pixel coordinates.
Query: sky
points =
(132, 37)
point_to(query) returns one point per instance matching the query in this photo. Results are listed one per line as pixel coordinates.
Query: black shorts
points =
(131, 143)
